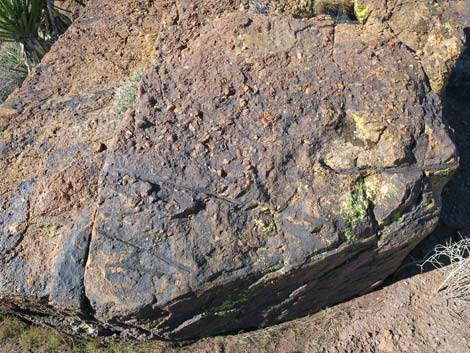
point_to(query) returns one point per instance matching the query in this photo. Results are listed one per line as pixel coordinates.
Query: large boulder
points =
(271, 166)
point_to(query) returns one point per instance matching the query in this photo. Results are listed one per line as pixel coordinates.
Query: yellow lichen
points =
(361, 126)
(361, 12)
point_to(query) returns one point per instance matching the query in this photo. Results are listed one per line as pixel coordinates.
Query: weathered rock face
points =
(271, 166)
(432, 30)
(50, 154)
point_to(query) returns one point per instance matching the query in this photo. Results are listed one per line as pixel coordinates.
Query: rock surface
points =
(49, 161)
(271, 166)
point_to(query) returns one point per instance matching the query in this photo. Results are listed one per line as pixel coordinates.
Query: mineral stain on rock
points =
(269, 167)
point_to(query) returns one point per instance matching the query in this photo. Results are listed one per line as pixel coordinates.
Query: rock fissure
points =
(391, 170)
(195, 190)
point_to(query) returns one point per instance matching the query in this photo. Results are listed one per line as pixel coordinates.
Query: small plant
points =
(93, 345)
(349, 236)
(33, 25)
(152, 325)
(126, 94)
(361, 128)
(121, 348)
(35, 338)
(361, 12)
(354, 209)
(394, 217)
(306, 8)
(335, 8)
(279, 267)
(270, 227)
(457, 282)
(315, 255)
(232, 304)
(268, 223)
(99, 346)
(51, 228)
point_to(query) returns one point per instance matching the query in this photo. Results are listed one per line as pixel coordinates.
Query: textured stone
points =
(269, 238)
(270, 166)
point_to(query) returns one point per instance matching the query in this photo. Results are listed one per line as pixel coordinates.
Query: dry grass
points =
(18, 337)
(457, 255)
(10, 328)
(12, 72)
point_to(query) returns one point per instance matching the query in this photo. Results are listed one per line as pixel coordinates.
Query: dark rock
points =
(270, 167)
(323, 196)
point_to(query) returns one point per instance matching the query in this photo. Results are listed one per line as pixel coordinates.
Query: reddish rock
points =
(240, 215)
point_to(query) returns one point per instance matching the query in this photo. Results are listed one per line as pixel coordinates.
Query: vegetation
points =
(21, 337)
(35, 338)
(266, 227)
(51, 228)
(349, 236)
(361, 12)
(10, 328)
(33, 25)
(457, 282)
(233, 304)
(267, 222)
(12, 69)
(361, 128)
(338, 9)
(335, 8)
(354, 209)
(126, 94)
(27, 30)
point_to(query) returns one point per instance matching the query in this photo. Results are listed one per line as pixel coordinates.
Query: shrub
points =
(126, 94)
(457, 282)
(335, 8)
(33, 25)
(12, 69)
